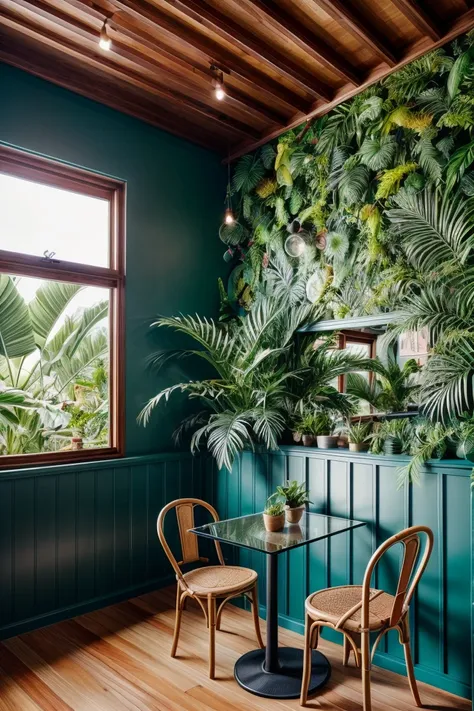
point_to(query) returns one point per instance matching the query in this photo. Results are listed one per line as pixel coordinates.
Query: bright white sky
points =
(36, 217)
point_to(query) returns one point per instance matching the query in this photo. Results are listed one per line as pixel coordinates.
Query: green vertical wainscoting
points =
(79, 537)
(363, 486)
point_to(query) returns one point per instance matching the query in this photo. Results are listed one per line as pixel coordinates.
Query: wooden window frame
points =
(22, 164)
(343, 337)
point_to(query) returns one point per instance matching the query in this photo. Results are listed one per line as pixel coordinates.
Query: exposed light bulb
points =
(219, 92)
(104, 40)
(229, 217)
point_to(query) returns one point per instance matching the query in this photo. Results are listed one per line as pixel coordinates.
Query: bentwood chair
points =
(359, 610)
(212, 586)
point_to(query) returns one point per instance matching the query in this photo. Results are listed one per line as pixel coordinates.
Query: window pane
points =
(36, 217)
(54, 355)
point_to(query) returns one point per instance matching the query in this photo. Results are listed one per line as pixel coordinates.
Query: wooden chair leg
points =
(211, 618)
(366, 697)
(404, 632)
(256, 618)
(177, 619)
(346, 653)
(306, 661)
(351, 644)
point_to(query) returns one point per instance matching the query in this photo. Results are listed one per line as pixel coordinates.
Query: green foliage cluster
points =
(53, 377)
(381, 191)
(383, 187)
(294, 493)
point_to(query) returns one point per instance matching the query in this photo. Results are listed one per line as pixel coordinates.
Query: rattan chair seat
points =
(331, 604)
(219, 580)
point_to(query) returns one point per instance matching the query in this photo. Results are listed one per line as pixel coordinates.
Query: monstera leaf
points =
(16, 330)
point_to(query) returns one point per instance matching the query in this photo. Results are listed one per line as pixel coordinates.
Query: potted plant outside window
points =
(296, 498)
(274, 513)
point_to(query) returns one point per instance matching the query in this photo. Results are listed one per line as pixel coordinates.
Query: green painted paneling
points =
(78, 537)
(175, 194)
(364, 487)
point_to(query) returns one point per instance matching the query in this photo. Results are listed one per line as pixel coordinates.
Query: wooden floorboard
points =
(117, 659)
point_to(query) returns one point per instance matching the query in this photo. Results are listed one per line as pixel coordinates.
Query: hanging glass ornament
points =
(295, 245)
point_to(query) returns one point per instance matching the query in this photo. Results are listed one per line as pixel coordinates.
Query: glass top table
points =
(276, 672)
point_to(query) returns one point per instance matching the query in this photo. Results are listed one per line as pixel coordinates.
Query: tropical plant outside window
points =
(59, 306)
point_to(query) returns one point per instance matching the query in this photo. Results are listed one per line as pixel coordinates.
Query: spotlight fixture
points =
(104, 40)
(218, 83)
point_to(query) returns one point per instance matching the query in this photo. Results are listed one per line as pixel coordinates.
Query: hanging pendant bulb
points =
(219, 91)
(104, 40)
(229, 217)
(218, 83)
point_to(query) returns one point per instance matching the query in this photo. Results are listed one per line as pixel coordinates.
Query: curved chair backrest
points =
(189, 541)
(410, 539)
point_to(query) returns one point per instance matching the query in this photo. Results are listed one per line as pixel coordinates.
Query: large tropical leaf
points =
(460, 161)
(227, 434)
(92, 347)
(248, 173)
(447, 389)
(437, 232)
(16, 331)
(379, 152)
(47, 307)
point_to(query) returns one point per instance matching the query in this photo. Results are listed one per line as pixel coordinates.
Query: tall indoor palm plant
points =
(261, 375)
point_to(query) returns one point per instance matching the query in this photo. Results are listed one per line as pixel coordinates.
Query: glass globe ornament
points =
(295, 245)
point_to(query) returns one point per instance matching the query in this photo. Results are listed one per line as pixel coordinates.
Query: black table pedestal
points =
(276, 672)
(286, 682)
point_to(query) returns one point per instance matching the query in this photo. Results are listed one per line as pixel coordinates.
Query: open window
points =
(61, 312)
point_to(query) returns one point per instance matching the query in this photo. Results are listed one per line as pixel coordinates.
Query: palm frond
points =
(436, 231)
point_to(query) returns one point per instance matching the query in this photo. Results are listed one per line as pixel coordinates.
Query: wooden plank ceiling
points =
(283, 61)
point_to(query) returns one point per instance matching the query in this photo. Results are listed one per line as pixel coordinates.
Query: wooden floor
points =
(118, 658)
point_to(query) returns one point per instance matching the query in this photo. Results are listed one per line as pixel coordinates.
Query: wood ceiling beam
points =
(150, 15)
(237, 36)
(284, 23)
(463, 24)
(22, 25)
(165, 65)
(128, 103)
(358, 28)
(419, 18)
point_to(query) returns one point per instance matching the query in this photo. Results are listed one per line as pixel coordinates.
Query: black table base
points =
(285, 683)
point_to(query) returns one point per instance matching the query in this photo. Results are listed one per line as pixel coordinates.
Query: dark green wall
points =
(175, 193)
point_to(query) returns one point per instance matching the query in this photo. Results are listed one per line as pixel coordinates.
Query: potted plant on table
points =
(296, 498)
(274, 513)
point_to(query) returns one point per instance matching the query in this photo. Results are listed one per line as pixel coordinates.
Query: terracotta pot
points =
(273, 523)
(358, 446)
(293, 515)
(342, 442)
(308, 440)
(327, 441)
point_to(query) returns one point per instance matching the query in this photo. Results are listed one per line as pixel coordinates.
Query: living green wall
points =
(175, 193)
